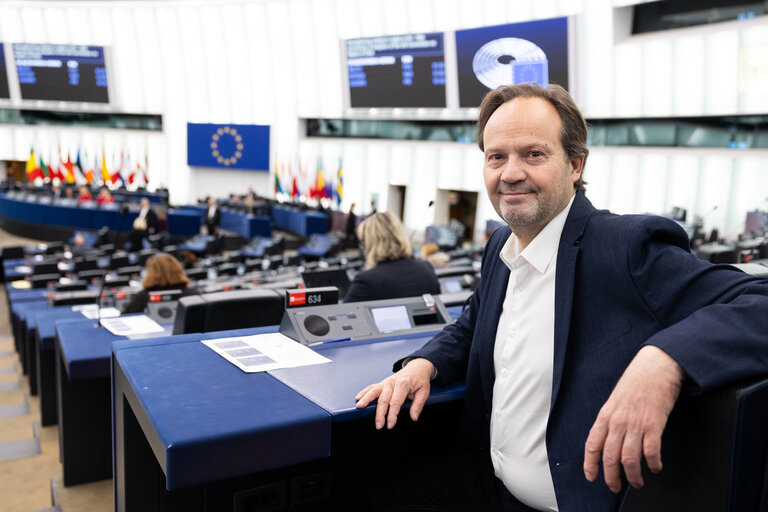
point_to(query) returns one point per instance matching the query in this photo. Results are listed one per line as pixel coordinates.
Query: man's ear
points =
(577, 165)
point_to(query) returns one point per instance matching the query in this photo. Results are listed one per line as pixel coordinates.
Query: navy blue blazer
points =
(622, 282)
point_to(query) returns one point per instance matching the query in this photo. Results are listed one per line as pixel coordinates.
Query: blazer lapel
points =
(565, 277)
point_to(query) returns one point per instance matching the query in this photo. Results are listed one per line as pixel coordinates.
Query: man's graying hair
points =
(573, 133)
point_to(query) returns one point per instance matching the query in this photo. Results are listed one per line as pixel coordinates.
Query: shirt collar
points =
(540, 252)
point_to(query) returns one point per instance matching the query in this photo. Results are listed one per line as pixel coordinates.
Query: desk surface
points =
(44, 321)
(85, 348)
(209, 420)
(206, 420)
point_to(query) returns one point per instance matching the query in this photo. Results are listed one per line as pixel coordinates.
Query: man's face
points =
(144, 202)
(527, 175)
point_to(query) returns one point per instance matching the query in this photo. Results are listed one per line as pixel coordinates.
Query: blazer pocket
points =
(604, 335)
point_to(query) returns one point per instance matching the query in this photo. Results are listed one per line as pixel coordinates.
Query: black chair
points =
(13, 252)
(90, 275)
(45, 268)
(227, 269)
(236, 309)
(132, 270)
(42, 280)
(71, 286)
(196, 274)
(74, 298)
(86, 263)
(715, 454)
(119, 261)
(54, 247)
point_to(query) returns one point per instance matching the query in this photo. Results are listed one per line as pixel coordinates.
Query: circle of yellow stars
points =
(228, 132)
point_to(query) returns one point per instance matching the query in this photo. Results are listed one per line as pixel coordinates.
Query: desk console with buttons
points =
(362, 320)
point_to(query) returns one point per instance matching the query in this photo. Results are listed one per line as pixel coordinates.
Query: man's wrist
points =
(409, 359)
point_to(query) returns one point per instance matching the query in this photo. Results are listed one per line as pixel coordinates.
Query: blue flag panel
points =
(228, 146)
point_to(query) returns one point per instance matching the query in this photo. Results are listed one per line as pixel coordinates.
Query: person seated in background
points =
(390, 269)
(212, 217)
(432, 253)
(162, 221)
(143, 225)
(105, 196)
(85, 194)
(163, 272)
(69, 193)
(79, 248)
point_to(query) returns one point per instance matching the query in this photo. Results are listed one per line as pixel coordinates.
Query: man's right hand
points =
(412, 382)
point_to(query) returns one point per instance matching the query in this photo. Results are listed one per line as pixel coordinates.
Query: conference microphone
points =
(123, 215)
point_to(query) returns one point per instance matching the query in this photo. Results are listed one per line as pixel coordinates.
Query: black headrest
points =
(190, 315)
(13, 252)
(239, 309)
(42, 280)
(45, 268)
(86, 264)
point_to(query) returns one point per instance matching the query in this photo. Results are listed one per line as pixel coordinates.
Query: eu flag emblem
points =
(228, 146)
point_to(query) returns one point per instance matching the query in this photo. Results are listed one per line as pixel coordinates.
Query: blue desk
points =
(303, 223)
(42, 324)
(82, 354)
(20, 312)
(180, 222)
(247, 430)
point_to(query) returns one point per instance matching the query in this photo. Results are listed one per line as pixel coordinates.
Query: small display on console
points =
(392, 318)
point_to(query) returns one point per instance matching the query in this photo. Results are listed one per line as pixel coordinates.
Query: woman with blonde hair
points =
(390, 269)
(163, 272)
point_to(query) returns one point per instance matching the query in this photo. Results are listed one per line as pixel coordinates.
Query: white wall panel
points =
(753, 70)
(371, 17)
(285, 127)
(628, 80)
(401, 164)
(714, 191)
(421, 188)
(149, 52)
(657, 78)
(376, 176)
(260, 65)
(722, 58)
(749, 190)
(101, 25)
(78, 25)
(237, 63)
(496, 12)
(544, 8)
(593, 76)
(518, 11)
(598, 174)
(305, 69)
(58, 32)
(421, 18)
(625, 168)
(348, 19)
(651, 184)
(126, 64)
(683, 181)
(688, 75)
(193, 56)
(214, 63)
(11, 29)
(471, 14)
(327, 52)
(30, 19)
(446, 14)
(395, 18)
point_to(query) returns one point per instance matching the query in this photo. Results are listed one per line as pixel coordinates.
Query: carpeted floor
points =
(29, 481)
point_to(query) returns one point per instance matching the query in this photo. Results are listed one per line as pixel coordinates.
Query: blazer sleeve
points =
(449, 349)
(714, 318)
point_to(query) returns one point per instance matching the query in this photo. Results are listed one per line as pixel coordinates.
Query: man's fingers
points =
(612, 455)
(652, 451)
(631, 454)
(396, 402)
(593, 449)
(417, 402)
(383, 405)
(368, 395)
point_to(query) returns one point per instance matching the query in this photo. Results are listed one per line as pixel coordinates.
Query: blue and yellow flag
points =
(228, 146)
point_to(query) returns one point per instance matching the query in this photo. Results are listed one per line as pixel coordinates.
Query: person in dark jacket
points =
(164, 272)
(390, 269)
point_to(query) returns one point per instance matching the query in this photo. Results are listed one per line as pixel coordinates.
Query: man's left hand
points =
(630, 423)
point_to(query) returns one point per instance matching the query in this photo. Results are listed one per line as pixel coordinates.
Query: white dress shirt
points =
(523, 360)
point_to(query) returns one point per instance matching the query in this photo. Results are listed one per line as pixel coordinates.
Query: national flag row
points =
(87, 169)
(294, 179)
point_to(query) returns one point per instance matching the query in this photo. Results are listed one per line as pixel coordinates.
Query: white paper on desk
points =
(264, 352)
(92, 311)
(131, 325)
(23, 269)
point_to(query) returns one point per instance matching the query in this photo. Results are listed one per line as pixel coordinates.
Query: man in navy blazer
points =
(636, 317)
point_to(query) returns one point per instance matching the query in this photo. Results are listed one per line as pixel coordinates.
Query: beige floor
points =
(26, 484)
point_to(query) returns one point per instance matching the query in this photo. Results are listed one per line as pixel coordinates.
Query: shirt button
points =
(504, 372)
